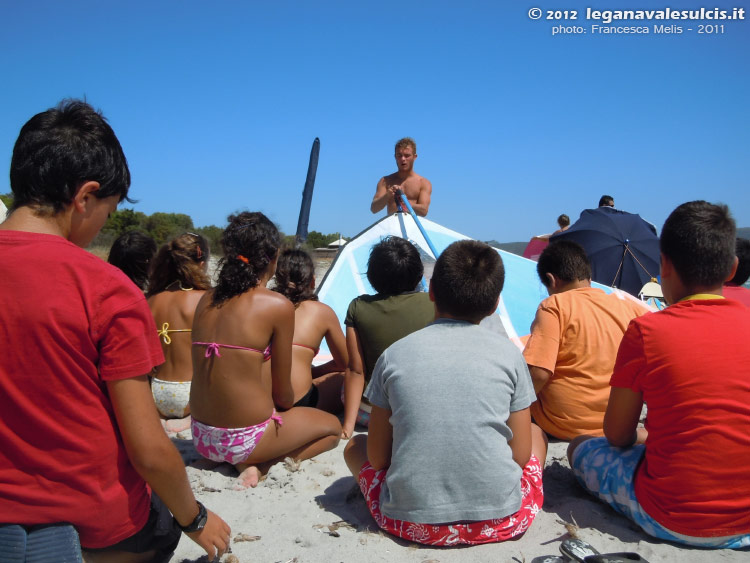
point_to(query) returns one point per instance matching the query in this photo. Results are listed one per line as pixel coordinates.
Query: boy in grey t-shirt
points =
(451, 443)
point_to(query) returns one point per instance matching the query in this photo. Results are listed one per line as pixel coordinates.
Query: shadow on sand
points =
(344, 499)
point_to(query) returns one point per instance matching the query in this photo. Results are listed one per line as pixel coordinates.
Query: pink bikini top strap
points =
(212, 349)
(315, 350)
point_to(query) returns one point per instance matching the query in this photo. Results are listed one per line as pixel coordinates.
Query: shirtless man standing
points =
(417, 189)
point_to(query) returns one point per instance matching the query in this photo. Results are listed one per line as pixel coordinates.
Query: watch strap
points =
(199, 522)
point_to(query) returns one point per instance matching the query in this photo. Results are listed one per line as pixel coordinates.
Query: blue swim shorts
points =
(608, 473)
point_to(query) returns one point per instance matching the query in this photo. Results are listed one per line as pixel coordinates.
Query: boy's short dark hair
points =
(606, 201)
(742, 251)
(60, 149)
(698, 238)
(394, 266)
(564, 259)
(467, 280)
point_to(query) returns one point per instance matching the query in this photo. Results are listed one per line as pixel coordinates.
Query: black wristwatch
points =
(198, 523)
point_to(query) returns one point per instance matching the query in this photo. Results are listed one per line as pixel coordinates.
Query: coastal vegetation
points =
(163, 226)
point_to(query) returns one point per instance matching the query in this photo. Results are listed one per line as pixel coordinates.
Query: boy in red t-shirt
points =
(684, 478)
(80, 438)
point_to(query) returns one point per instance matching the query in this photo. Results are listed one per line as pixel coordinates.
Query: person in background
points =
(177, 281)
(606, 201)
(563, 221)
(684, 477)
(132, 253)
(80, 439)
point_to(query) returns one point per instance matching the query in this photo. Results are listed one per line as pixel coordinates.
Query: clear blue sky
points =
(217, 104)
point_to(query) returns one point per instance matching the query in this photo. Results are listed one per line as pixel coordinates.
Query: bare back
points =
(173, 311)
(229, 390)
(313, 321)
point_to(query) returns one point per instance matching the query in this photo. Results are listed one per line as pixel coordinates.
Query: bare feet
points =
(174, 425)
(249, 476)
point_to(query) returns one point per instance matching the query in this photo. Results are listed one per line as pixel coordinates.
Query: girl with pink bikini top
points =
(320, 385)
(236, 404)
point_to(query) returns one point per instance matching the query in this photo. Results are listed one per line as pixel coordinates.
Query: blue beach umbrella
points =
(623, 247)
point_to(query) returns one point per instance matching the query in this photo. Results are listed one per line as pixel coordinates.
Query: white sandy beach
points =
(314, 513)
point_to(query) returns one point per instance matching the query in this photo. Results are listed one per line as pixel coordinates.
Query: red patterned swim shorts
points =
(466, 533)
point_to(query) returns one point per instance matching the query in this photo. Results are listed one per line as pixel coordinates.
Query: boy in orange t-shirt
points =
(573, 343)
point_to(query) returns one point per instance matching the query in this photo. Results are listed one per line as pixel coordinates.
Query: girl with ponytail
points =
(177, 281)
(313, 321)
(238, 327)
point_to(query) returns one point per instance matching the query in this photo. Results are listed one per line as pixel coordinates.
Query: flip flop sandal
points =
(577, 550)
(550, 559)
(624, 557)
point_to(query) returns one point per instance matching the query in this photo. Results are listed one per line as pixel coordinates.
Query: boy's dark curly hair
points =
(394, 266)
(295, 272)
(250, 242)
(60, 149)
(180, 260)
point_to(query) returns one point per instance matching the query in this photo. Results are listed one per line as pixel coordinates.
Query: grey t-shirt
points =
(450, 388)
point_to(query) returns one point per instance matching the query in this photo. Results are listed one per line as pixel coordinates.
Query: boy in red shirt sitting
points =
(690, 364)
(80, 438)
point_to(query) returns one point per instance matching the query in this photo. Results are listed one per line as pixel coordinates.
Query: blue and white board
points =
(347, 279)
